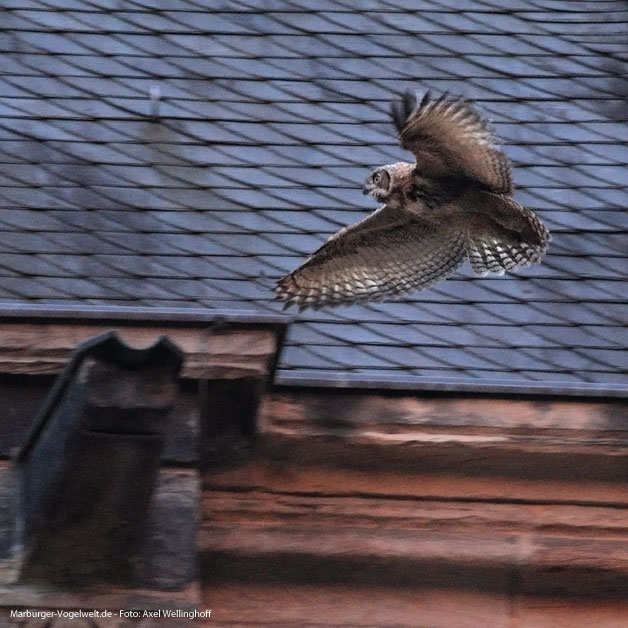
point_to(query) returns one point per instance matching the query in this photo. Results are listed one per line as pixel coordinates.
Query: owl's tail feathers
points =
(492, 255)
(503, 235)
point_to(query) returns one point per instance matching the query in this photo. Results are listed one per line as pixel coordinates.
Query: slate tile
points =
(51, 43)
(335, 333)
(558, 378)
(66, 5)
(304, 221)
(605, 378)
(587, 221)
(30, 288)
(255, 221)
(460, 329)
(589, 244)
(183, 288)
(485, 335)
(499, 359)
(586, 336)
(269, 23)
(585, 313)
(352, 357)
(36, 64)
(296, 243)
(79, 287)
(49, 20)
(171, 221)
(173, 5)
(37, 107)
(33, 131)
(18, 4)
(611, 358)
(29, 220)
(242, 198)
(305, 334)
(105, 21)
(456, 358)
(17, 265)
(410, 357)
(115, 44)
(105, 220)
(29, 198)
(567, 360)
(133, 288)
(300, 357)
(154, 22)
(87, 265)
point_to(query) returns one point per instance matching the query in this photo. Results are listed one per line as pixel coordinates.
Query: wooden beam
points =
(283, 476)
(40, 348)
(270, 605)
(576, 439)
(370, 491)
(294, 537)
(327, 411)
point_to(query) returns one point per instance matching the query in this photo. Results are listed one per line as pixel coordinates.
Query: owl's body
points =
(453, 204)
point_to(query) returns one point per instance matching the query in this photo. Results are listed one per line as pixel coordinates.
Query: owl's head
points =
(378, 184)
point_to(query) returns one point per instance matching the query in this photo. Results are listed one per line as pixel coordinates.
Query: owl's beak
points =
(366, 189)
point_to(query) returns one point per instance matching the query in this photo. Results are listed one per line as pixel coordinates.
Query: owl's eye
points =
(376, 177)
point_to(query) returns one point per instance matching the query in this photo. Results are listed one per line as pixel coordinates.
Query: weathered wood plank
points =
(511, 548)
(223, 507)
(44, 348)
(70, 621)
(282, 477)
(473, 436)
(267, 605)
(324, 412)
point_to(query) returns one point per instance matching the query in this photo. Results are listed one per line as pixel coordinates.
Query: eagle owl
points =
(454, 203)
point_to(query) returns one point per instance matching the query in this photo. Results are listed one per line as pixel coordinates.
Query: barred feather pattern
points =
(377, 264)
(494, 255)
(458, 110)
(448, 136)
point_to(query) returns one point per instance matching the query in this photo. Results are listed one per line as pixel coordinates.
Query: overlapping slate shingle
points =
(188, 153)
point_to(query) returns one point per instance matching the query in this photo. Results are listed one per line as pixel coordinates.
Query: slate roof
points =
(185, 153)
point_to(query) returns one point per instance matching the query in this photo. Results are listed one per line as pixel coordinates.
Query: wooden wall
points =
(369, 509)
(361, 508)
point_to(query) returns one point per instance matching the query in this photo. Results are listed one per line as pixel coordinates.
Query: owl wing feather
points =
(501, 234)
(481, 209)
(449, 138)
(492, 255)
(386, 254)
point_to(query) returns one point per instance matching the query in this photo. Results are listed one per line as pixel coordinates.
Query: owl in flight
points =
(454, 203)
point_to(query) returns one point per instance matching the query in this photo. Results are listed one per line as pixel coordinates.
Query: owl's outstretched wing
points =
(388, 253)
(449, 138)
